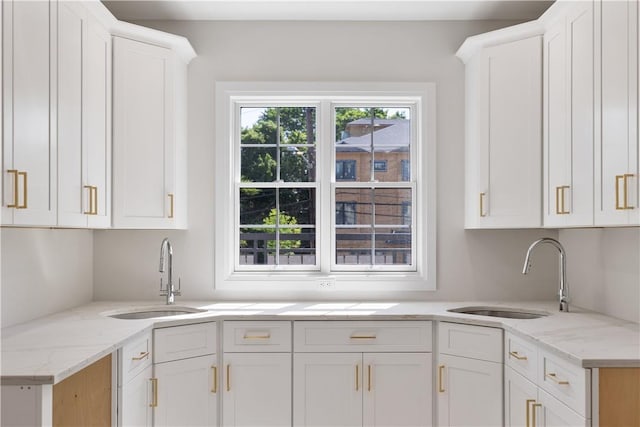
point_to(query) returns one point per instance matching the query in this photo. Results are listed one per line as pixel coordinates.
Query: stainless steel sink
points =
(506, 312)
(152, 312)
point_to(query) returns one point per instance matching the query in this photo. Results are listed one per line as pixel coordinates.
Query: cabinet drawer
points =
(476, 342)
(247, 336)
(366, 336)
(569, 383)
(135, 356)
(521, 355)
(181, 342)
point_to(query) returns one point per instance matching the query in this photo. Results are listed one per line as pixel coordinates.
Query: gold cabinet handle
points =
(528, 413)
(228, 377)
(154, 388)
(517, 355)
(533, 413)
(553, 377)
(170, 205)
(560, 200)
(362, 337)
(14, 172)
(214, 387)
(625, 191)
(24, 191)
(90, 211)
(357, 377)
(440, 380)
(482, 214)
(257, 336)
(143, 355)
(95, 200)
(368, 377)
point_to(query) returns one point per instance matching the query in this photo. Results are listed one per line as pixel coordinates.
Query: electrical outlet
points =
(326, 283)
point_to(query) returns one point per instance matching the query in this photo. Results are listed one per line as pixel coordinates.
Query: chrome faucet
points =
(166, 253)
(563, 293)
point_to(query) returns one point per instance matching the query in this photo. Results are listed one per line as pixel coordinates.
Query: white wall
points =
(603, 269)
(471, 265)
(44, 271)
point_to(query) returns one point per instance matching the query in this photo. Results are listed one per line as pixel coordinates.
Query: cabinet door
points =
(327, 389)
(569, 119)
(469, 392)
(256, 389)
(508, 191)
(550, 412)
(397, 389)
(97, 121)
(144, 152)
(616, 154)
(519, 395)
(29, 140)
(136, 398)
(186, 392)
(73, 200)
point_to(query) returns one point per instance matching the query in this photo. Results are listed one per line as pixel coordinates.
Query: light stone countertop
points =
(49, 349)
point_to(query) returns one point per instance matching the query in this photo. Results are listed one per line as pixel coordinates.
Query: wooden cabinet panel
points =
(84, 399)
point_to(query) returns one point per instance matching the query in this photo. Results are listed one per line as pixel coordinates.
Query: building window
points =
(318, 182)
(404, 170)
(380, 165)
(345, 170)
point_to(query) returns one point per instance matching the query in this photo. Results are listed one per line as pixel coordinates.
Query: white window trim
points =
(424, 278)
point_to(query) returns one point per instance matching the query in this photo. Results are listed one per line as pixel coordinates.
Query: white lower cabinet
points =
(136, 399)
(530, 376)
(256, 389)
(135, 383)
(186, 392)
(185, 376)
(257, 374)
(343, 384)
(469, 370)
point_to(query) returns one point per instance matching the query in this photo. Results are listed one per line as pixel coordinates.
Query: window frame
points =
(229, 95)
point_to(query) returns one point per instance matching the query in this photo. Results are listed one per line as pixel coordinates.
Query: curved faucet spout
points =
(563, 292)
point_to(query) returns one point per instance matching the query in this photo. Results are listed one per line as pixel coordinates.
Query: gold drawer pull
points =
(369, 378)
(154, 387)
(357, 377)
(516, 355)
(170, 205)
(228, 377)
(440, 375)
(362, 337)
(143, 355)
(257, 337)
(214, 388)
(553, 377)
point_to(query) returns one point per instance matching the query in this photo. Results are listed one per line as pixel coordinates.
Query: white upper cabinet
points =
(149, 138)
(29, 122)
(569, 118)
(84, 119)
(503, 134)
(616, 154)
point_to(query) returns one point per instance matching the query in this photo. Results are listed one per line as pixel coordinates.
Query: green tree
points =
(284, 219)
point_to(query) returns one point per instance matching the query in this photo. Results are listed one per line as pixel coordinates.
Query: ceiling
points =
(327, 10)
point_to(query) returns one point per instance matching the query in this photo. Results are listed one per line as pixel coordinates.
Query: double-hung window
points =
(317, 183)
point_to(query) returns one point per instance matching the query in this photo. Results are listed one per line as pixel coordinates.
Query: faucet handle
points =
(177, 291)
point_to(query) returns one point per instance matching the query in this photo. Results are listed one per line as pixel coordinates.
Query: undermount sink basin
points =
(152, 312)
(510, 313)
